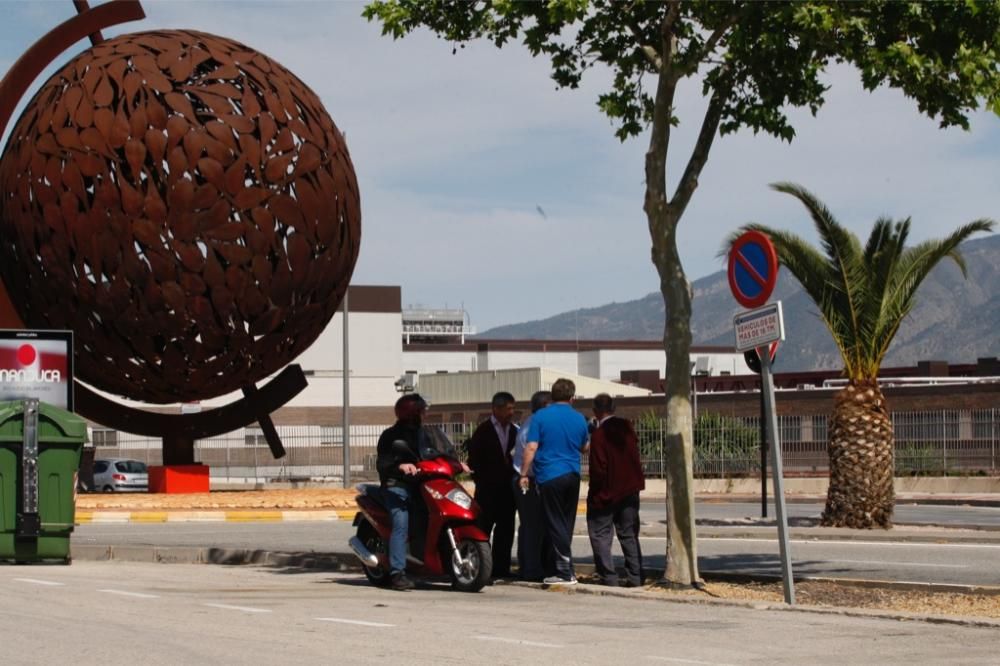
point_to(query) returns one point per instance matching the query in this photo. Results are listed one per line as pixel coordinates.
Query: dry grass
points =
(299, 498)
(830, 594)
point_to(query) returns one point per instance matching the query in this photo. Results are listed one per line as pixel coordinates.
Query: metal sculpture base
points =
(179, 479)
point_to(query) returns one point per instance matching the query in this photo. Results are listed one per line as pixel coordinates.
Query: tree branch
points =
(669, 39)
(699, 155)
(651, 55)
(659, 136)
(719, 32)
(656, 204)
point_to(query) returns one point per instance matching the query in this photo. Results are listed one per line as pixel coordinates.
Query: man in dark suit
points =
(490, 449)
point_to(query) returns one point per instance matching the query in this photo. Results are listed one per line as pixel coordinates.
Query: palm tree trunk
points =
(861, 446)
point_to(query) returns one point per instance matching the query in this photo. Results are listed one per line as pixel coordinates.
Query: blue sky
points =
(454, 153)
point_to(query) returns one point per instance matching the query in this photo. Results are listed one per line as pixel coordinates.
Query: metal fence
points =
(932, 442)
(243, 456)
(926, 443)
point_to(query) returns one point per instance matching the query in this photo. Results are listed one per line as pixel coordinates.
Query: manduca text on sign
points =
(26, 376)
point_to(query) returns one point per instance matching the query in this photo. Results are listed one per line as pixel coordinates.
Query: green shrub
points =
(723, 445)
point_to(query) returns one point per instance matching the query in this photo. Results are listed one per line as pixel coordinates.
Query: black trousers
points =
(532, 541)
(559, 499)
(497, 516)
(624, 517)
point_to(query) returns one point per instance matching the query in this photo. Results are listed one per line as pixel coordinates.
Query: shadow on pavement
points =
(770, 565)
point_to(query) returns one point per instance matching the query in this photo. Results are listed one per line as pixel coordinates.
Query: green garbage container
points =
(40, 447)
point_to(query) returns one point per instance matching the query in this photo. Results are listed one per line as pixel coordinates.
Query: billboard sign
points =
(37, 364)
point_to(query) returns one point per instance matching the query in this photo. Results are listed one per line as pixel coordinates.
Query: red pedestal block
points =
(174, 479)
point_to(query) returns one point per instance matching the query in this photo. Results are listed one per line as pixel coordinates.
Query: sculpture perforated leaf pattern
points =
(186, 206)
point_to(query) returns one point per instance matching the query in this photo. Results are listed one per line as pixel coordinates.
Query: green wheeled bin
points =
(40, 446)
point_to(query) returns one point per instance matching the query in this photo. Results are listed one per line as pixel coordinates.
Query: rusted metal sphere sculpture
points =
(185, 205)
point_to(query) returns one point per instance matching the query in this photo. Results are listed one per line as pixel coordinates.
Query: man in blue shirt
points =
(556, 438)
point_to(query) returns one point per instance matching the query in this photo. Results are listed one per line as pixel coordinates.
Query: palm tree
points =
(863, 295)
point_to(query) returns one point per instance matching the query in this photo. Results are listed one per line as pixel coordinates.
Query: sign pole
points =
(767, 388)
(763, 453)
(753, 272)
(346, 427)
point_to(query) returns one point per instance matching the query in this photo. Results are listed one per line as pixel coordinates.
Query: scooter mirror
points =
(402, 449)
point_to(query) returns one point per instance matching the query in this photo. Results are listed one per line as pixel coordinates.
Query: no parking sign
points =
(753, 269)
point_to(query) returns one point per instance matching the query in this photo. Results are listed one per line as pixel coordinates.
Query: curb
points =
(231, 516)
(818, 499)
(90, 516)
(943, 535)
(202, 555)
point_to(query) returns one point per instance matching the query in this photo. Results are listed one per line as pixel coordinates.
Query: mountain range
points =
(953, 319)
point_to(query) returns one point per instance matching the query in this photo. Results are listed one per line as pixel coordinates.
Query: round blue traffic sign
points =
(753, 269)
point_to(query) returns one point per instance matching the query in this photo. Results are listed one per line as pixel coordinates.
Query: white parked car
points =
(120, 475)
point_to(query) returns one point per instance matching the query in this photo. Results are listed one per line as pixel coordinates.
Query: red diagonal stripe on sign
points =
(751, 270)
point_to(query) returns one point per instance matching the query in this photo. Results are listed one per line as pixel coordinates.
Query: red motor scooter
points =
(452, 543)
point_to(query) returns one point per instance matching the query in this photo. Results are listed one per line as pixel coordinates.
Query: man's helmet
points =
(410, 407)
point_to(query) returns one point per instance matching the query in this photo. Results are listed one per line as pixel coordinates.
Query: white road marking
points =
(902, 564)
(245, 609)
(678, 660)
(362, 623)
(35, 581)
(832, 542)
(516, 641)
(137, 595)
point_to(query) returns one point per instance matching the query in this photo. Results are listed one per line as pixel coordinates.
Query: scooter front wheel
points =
(374, 542)
(471, 565)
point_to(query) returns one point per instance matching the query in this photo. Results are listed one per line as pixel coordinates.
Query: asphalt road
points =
(936, 556)
(126, 613)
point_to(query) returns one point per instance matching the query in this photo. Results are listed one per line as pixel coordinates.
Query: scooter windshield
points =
(439, 444)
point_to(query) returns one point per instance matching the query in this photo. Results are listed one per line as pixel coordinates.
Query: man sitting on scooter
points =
(396, 470)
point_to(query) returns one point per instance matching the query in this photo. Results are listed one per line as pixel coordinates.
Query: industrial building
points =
(392, 349)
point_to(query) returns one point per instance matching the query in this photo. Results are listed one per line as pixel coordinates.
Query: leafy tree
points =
(863, 295)
(753, 61)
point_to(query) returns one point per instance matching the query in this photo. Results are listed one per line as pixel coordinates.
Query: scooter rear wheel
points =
(373, 541)
(470, 565)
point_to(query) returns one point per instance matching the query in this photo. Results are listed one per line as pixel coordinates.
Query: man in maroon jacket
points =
(613, 497)
(490, 449)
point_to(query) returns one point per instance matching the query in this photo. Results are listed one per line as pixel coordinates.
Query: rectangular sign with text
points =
(37, 364)
(759, 327)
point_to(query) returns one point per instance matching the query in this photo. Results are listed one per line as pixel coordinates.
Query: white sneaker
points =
(557, 580)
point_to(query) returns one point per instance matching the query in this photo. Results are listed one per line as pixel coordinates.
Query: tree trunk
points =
(663, 217)
(861, 446)
(682, 549)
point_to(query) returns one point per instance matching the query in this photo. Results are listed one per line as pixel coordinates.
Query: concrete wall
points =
(429, 362)
(479, 387)
(507, 360)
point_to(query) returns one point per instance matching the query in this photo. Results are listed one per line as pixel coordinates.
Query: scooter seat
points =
(368, 488)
